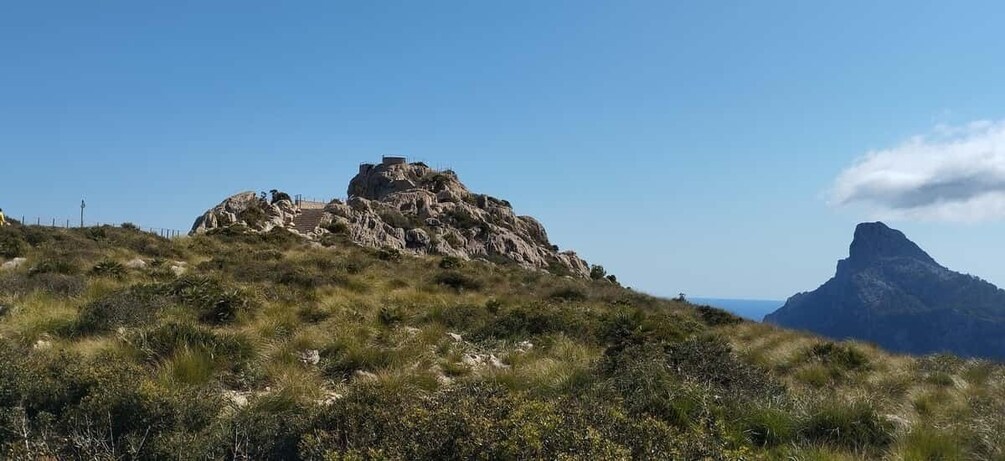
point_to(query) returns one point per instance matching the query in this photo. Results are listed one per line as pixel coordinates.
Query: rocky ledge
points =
(411, 208)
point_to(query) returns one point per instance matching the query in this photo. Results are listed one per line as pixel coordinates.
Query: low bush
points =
(450, 262)
(716, 317)
(54, 266)
(523, 321)
(768, 427)
(109, 268)
(395, 218)
(854, 426)
(389, 254)
(928, 444)
(710, 360)
(569, 294)
(11, 244)
(55, 284)
(134, 306)
(842, 356)
(215, 302)
(458, 281)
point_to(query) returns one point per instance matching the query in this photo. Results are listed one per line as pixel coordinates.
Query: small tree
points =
(597, 272)
(278, 196)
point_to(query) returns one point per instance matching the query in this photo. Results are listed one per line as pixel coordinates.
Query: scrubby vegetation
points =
(238, 345)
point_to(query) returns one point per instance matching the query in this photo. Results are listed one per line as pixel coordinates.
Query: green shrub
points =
(388, 316)
(346, 356)
(929, 444)
(842, 356)
(458, 281)
(56, 284)
(523, 321)
(569, 294)
(597, 272)
(190, 367)
(163, 341)
(389, 254)
(855, 426)
(270, 428)
(11, 244)
(395, 218)
(215, 302)
(109, 268)
(461, 219)
(254, 216)
(768, 427)
(134, 306)
(450, 262)
(338, 227)
(710, 360)
(716, 317)
(54, 266)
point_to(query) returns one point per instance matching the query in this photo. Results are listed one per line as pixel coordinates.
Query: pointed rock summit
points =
(874, 241)
(891, 292)
(408, 207)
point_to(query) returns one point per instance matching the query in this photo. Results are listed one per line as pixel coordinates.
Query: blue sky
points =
(686, 146)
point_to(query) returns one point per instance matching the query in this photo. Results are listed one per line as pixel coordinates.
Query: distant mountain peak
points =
(875, 240)
(891, 292)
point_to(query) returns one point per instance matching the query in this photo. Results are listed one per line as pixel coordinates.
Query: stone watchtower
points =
(388, 161)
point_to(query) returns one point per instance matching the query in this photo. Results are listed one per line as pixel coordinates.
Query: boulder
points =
(136, 263)
(249, 209)
(13, 264)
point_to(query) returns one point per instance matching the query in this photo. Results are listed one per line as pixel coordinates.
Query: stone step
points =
(308, 220)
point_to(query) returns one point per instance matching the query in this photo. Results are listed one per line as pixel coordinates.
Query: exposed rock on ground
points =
(410, 208)
(249, 209)
(13, 264)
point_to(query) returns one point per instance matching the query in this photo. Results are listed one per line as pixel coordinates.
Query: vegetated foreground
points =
(116, 344)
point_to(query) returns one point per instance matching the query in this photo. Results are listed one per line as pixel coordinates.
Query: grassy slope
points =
(104, 361)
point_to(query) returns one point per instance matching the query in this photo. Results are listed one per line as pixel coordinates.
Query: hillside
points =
(890, 292)
(117, 344)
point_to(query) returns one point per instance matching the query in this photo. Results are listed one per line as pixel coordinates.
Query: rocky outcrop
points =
(249, 209)
(890, 292)
(413, 208)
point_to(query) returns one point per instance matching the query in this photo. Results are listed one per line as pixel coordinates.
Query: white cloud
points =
(952, 174)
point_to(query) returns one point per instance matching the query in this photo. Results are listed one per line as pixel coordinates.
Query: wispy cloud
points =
(951, 174)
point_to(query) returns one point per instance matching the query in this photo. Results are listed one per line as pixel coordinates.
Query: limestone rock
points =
(136, 263)
(310, 357)
(414, 208)
(249, 209)
(13, 264)
(411, 208)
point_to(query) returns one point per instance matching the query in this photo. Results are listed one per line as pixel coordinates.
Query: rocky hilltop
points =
(891, 292)
(408, 207)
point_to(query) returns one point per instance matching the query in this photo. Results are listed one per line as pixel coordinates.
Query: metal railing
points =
(310, 203)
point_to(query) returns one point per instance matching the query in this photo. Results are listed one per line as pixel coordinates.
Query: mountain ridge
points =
(891, 292)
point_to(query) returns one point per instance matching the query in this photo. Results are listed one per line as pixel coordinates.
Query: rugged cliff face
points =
(890, 292)
(412, 208)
